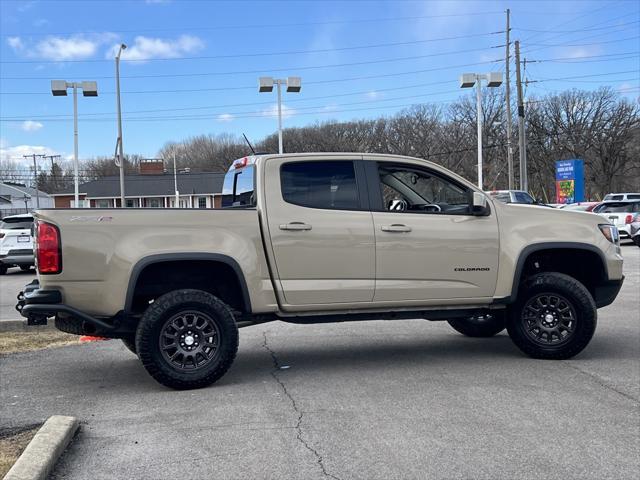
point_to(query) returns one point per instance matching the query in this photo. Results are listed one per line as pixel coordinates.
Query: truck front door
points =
(320, 230)
(429, 247)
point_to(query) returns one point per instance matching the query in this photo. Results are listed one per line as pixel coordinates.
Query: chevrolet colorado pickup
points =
(330, 237)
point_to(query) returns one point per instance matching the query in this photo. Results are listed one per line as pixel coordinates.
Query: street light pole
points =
(76, 186)
(89, 89)
(266, 84)
(280, 148)
(467, 80)
(120, 153)
(479, 112)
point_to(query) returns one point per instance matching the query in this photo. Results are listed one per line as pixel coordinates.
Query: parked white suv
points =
(620, 214)
(16, 242)
(609, 197)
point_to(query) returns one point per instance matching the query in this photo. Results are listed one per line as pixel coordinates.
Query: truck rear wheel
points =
(554, 317)
(187, 339)
(480, 326)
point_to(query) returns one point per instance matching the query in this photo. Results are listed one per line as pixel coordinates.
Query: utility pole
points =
(51, 157)
(53, 177)
(35, 175)
(522, 141)
(508, 95)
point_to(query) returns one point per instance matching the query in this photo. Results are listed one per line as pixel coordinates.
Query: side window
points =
(330, 184)
(406, 188)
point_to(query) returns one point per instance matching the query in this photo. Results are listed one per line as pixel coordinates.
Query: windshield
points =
(618, 207)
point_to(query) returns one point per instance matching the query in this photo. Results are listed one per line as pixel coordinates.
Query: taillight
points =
(628, 219)
(48, 252)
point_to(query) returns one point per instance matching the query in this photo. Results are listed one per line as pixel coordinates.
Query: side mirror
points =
(479, 204)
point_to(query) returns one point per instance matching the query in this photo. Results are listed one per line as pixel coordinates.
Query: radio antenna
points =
(249, 143)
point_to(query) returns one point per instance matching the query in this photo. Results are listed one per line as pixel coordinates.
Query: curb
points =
(42, 453)
(21, 326)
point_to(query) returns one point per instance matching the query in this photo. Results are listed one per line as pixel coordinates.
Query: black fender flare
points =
(536, 247)
(169, 257)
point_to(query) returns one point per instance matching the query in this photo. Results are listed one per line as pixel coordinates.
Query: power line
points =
(260, 25)
(263, 70)
(253, 87)
(574, 31)
(261, 54)
(581, 76)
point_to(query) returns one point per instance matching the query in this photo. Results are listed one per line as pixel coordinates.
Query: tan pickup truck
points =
(327, 237)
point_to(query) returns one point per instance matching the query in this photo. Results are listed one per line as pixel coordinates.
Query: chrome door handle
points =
(396, 227)
(295, 226)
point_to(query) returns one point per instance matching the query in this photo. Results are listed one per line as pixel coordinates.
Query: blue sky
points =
(192, 66)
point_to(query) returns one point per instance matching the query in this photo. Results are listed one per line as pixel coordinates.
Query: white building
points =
(18, 198)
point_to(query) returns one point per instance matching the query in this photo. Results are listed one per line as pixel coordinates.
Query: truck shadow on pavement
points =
(329, 356)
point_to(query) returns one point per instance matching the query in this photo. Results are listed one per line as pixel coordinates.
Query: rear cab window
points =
(238, 190)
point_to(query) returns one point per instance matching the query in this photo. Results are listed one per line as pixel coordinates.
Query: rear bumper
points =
(607, 292)
(18, 258)
(37, 305)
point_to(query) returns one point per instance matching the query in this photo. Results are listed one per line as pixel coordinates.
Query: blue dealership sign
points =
(569, 181)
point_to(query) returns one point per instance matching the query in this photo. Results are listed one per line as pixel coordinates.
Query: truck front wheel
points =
(480, 326)
(187, 339)
(554, 317)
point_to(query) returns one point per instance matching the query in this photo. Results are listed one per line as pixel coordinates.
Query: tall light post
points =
(467, 80)
(120, 153)
(89, 89)
(294, 85)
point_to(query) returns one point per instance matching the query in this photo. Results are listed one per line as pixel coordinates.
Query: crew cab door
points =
(320, 230)
(429, 247)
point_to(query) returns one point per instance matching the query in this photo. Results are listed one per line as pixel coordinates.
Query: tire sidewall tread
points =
(582, 302)
(148, 348)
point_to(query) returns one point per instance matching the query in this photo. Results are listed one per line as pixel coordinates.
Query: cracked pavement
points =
(368, 400)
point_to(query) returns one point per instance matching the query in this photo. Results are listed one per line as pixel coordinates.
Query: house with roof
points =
(18, 198)
(151, 188)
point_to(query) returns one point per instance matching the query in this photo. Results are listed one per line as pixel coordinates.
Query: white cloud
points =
(373, 94)
(17, 152)
(146, 48)
(31, 126)
(225, 117)
(156, 2)
(40, 22)
(57, 48)
(272, 111)
(15, 43)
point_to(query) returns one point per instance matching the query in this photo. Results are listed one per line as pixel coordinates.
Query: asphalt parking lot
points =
(397, 399)
(10, 285)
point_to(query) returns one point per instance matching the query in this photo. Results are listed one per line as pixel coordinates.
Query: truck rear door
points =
(320, 229)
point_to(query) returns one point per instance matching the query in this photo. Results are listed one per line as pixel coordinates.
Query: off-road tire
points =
(3, 269)
(155, 320)
(575, 294)
(130, 343)
(25, 268)
(480, 327)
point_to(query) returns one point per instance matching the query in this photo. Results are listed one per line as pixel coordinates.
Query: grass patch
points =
(12, 444)
(13, 342)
